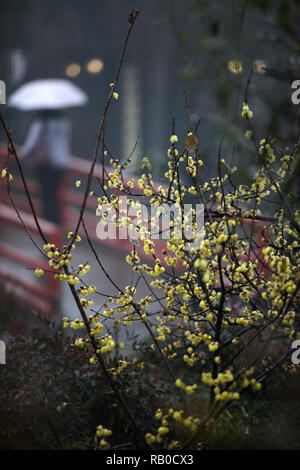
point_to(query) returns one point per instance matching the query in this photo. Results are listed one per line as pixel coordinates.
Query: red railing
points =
(43, 294)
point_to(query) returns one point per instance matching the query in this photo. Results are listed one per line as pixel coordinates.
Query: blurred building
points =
(206, 47)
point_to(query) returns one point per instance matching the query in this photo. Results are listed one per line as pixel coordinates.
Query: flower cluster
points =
(206, 308)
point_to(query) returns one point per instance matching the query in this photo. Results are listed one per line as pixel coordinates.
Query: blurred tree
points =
(220, 43)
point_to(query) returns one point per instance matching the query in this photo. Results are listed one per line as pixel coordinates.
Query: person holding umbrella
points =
(47, 147)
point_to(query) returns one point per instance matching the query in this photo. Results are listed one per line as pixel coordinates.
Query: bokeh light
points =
(235, 66)
(73, 70)
(94, 66)
(259, 66)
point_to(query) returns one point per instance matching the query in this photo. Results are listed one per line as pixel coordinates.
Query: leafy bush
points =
(53, 398)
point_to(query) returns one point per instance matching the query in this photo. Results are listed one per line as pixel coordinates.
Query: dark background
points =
(175, 45)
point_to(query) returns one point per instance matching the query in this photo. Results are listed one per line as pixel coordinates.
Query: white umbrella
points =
(47, 94)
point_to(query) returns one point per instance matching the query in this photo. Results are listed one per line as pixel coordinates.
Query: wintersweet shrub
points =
(227, 294)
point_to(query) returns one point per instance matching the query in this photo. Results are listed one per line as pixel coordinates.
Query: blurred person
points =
(46, 151)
